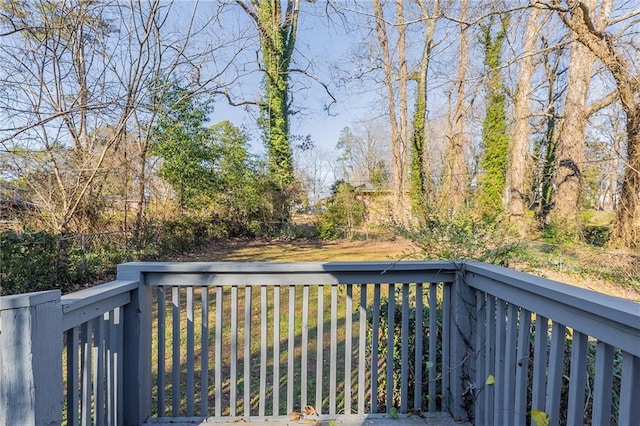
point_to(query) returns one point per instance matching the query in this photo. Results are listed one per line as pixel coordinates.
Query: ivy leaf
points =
(429, 365)
(491, 380)
(540, 418)
(393, 412)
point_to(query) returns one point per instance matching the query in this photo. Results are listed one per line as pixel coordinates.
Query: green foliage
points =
(464, 237)
(417, 173)
(360, 158)
(182, 233)
(553, 234)
(393, 412)
(29, 262)
(495, 140)
(245, 192)
(211, 169)
(597, 235)
(542, 188)
(491, 380)
(345, 212)
(379, 176)
(183, 142)
(539, 418)
(44, 261)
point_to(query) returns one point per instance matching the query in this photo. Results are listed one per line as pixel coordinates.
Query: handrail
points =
(84, 305)
(185, 291)
(532, 333)
(607, 318)
(285, 273)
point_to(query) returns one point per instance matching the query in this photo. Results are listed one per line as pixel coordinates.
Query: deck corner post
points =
(31, 389)
(137, 348)
(462, 348)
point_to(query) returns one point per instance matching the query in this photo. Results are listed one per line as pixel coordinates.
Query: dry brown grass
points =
(250, 250)
(609, 272)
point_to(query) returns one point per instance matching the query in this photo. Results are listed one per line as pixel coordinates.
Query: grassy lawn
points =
(256, 351)
(301, 251)
(281, 251)
(613, 273)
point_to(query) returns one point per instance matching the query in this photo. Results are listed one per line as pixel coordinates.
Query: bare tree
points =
(79, 78)
(398, 112)
(420, 175)
(517, 187)
(363, 153)
(455, 171)
(153, 57)
(591, 34)
(53, 121)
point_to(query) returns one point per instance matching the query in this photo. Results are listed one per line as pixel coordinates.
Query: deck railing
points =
(187, 341)
(269, 339)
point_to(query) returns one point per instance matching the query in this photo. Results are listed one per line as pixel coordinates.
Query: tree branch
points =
(320, 82)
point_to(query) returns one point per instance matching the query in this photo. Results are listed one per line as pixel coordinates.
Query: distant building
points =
(13, 205)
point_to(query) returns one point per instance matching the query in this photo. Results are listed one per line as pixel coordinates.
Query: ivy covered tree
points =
(277, 30)
(495, 141)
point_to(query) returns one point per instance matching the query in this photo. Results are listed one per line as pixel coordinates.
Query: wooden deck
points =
(431, 419)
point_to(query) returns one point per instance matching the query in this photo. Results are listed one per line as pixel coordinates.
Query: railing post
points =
(462, 349)
(31, 359)
(137, 348)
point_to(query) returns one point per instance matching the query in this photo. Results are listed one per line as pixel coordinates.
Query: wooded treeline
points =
(519, 112)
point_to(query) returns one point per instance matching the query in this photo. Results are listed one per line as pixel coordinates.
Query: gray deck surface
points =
(433, 419)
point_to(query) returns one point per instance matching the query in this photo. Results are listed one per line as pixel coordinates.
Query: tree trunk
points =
(571, 157)
(495, 140)
(398, 136)
(277, 31)
(455, 170)
(400, 151)
(625, 232)
(419, 178)
(570, 152)
(517, 201)
(602, 45)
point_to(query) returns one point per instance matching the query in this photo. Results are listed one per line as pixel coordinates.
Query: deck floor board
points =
(431, 419)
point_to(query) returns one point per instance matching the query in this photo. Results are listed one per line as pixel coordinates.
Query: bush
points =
(597, 235)
(31, 262)
(345, 213)
(464, 237)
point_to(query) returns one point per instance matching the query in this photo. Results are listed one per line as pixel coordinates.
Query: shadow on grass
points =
(352, 382)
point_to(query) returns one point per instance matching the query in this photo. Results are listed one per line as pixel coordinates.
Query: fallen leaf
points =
(309, 410)
(393, 412)
(540, 418)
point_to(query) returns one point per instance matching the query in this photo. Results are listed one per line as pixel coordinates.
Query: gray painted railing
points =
(93, 349)
(263, 340)
(551, 346)
(71, 345)
(183, 341)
